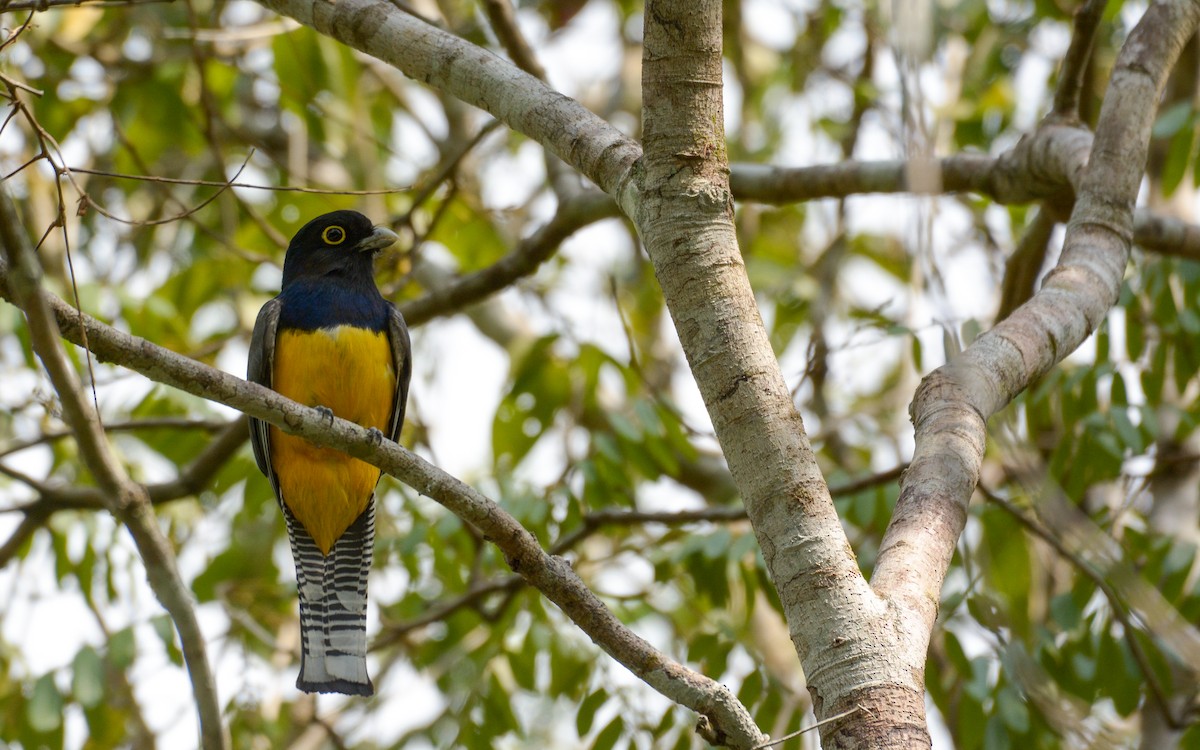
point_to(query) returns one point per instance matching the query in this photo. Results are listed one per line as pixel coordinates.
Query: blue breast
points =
(324, 303)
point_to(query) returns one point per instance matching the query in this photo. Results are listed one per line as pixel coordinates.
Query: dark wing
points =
(402, 361)
(259, 367)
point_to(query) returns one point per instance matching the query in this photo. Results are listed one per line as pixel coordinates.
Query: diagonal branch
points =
(952, 404)
(551, 575)
(574, 214)
(1078, 57)
(30, 523)
(1023, 267)
(476, 76)
(126, 499)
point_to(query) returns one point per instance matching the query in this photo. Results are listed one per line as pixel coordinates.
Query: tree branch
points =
(126, 499)
(1019, 182)
(501, 15)
(577, 212)
(952, 404)
(551, 575)
(30, 523)
(476, 76)
(1023, 266)
(684, 214)
(1077, 58)
(200, 472)
(7, 6)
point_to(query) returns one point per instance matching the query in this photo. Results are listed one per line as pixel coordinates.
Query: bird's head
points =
(341, 243)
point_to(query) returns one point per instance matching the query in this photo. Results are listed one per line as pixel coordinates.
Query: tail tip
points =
(344, 687)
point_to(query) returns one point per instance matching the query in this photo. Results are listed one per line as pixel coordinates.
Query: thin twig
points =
(427, 186)
(396, 632)
(43, 5)
(29, 524)
(820, 723)
(234, 183)
(87, 201)
(503, 18)
(191, 480)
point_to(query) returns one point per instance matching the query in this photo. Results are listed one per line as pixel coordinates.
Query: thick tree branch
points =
(1007, 179)
(782, 185)
(551, 575)
(126, 499)
(953, 403)
(476, 76)
(685, 218)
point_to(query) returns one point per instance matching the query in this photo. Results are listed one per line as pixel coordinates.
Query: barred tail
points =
(333, 607)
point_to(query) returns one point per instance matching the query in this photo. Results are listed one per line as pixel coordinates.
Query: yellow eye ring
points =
(334, 235)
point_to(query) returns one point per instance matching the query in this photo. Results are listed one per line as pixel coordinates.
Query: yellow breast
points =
(349, 371)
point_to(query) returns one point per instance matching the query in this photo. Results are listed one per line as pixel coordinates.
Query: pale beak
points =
(377, 240)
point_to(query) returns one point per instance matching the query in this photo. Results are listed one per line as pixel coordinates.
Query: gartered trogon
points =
(330, 340)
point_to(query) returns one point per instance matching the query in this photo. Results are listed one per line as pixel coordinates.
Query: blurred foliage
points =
(595, 412)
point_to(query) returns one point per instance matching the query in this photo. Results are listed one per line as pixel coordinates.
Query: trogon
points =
(330, 341)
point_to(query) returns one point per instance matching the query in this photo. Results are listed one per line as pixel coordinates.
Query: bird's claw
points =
(375, 436)
(326, 413)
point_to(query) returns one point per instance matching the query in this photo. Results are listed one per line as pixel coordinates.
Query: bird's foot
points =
(326, 413)
(375, 436)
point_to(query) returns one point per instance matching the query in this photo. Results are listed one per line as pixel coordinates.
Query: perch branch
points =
(551, 575)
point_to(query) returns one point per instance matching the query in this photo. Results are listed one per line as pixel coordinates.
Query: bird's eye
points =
(334, 235)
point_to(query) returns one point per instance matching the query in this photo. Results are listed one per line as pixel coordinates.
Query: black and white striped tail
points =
(333, 607)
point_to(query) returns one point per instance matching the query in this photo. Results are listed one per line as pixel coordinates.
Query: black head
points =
(337, 244)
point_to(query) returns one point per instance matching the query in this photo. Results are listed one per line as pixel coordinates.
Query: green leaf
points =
(122, 648)
(1065, 611)
(165, 629)
(87, 679)
(44, 709)
(1012, 710)
(1179, 157)
(971, 722)
(1173, 120)
(1130, 436)
(609, 736)
(587, 711)
(995, 737)
(752, 688)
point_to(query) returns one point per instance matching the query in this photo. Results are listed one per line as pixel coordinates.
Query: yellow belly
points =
(348, 370)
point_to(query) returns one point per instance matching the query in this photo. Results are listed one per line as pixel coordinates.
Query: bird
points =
(330, 341)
